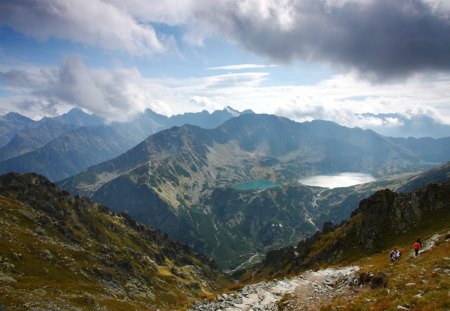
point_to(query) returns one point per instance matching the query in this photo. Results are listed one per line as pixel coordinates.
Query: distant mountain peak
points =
(77, 116)
(14, 116)
(232, 111)
(76, 112)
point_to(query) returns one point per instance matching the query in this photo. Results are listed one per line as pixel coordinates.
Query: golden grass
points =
(417, 283)
(70, 276)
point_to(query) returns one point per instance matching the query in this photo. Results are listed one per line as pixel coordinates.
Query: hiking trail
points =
(310, 289)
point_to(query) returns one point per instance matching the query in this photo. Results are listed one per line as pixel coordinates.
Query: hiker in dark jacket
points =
(395, 255)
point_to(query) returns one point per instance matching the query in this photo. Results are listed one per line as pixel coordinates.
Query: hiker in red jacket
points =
(417, 246)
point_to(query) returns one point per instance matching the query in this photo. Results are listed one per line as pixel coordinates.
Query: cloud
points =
(205, 103)
(115, 94)
(415, 124)
(235, 79)
(380, 39)
(17, 79)
(240, 67)
(91, 22)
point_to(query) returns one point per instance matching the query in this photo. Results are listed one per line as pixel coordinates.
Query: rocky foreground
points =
(314, 287)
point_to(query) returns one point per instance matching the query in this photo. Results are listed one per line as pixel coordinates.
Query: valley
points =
(233, 192)
(227, 155)
(234, 196)
(74, 253)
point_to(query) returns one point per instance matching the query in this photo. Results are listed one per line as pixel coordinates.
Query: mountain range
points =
(182, 180)
(62, 146)
(20, 134)
(229, 189)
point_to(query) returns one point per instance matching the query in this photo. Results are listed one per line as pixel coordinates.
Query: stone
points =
(47, 254)
(7, 279)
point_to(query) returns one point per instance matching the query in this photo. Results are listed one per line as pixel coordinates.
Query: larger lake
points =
(345, 179)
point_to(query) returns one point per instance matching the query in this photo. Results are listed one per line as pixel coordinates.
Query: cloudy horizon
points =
(378, 64)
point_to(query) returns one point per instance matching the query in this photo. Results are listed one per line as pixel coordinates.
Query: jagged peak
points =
(231, 111)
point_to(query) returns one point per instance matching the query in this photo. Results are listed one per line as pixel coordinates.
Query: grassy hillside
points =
(60, 252)
(413, 283)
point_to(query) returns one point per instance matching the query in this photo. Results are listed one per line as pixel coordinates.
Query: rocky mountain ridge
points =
(63, 252)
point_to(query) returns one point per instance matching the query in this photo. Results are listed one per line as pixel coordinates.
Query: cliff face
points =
(378, 223)
(62, 252)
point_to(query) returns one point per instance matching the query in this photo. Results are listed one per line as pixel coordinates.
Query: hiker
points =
(395, 255)
(417, 246)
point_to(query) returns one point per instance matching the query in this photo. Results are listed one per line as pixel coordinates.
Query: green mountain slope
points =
(60, 252)
(180, 181)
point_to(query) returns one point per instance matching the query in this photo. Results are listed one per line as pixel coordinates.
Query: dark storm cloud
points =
(379, 38)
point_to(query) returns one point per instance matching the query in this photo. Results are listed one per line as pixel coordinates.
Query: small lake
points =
(345, 179)
(255, 185)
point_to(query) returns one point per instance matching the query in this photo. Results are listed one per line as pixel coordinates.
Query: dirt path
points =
(304, 292)
(319, 288)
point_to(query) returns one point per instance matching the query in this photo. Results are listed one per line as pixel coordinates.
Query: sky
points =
(378, 64)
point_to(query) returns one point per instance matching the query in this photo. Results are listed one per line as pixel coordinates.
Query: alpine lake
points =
(256, 184)
(337, 180)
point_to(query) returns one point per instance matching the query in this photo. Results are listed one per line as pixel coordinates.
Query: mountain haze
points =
(86, 140)
(32, 138)
(25, 134)
(10, 123)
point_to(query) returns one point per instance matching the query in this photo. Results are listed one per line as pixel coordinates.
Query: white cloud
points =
(235, 79)
(91, 22)
(115, 94)
(241, 67)
(205, 103)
